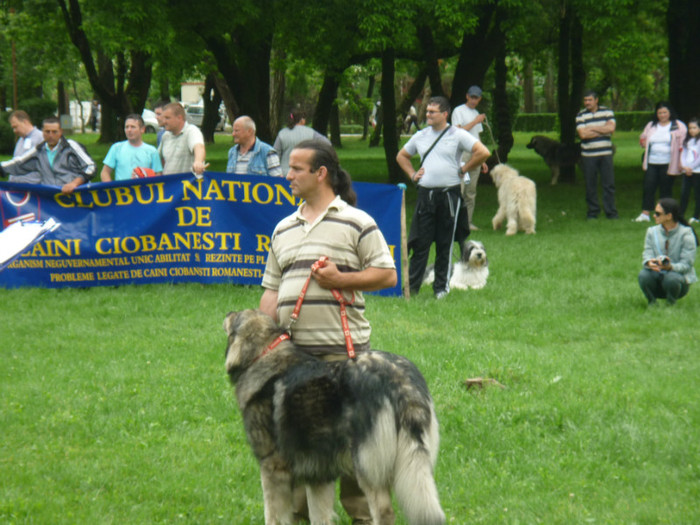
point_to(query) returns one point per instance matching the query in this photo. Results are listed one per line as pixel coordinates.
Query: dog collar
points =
(274, 344)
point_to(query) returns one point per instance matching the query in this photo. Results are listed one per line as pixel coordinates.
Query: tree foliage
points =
(116, 43)
(327, 54)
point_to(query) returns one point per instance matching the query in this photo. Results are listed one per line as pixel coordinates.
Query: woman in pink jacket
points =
(662, 140)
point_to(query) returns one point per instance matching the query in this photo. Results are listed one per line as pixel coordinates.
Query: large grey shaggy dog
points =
(517, 200)
(308, 421)
(555, 154)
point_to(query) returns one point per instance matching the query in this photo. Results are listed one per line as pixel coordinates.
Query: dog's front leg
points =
(320, 500)
(498, 218)
(277, 492)
(555, 174)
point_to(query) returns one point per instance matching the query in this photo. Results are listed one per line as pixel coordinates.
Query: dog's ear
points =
(230, 322)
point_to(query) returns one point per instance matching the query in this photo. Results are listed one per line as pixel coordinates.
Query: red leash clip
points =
(322, 261)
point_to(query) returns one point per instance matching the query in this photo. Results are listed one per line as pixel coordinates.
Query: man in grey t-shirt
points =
(439, 179)
(28, 135)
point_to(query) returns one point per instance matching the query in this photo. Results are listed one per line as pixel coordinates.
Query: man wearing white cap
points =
(468, 117)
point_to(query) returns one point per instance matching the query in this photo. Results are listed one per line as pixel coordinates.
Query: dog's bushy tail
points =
(414, 484)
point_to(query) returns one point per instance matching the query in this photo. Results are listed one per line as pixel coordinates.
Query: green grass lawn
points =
(115, 408)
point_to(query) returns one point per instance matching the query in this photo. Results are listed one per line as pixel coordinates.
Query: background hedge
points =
(549, 122)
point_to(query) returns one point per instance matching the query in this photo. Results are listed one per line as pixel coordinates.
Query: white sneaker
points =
(693, 220)
(643, 217)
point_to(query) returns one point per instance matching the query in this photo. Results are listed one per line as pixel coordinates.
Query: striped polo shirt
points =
(351, 239)
(597, 146)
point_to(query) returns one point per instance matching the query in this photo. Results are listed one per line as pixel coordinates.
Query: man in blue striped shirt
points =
(595, 125)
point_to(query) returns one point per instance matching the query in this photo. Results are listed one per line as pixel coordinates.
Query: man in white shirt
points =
(439, 180)
(182, 146)
(468, 118)
(28, 135)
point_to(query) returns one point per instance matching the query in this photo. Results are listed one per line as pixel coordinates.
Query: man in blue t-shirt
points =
(124, 157)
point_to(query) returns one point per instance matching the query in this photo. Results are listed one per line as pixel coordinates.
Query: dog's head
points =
(249, 332)
(474, 255)
(500, 172)
(543, 145)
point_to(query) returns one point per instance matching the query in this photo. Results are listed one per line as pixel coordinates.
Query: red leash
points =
(297, 308)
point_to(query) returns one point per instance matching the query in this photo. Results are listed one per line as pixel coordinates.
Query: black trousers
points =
(434, 218)
(592, 166)
(689, 184)
(656, 177)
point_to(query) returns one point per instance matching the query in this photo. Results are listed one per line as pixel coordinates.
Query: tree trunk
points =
(425, 36)
(391, 142)
(570, 81)
(413, 93)
(504, 121)
(232, 109)
(367, 111)
(212, 101)
(528, 88)
(683, 22)
(472, 66)
(80, 107)
(376, 137)
(63, 99)
(335, 126)
(549, 87)
(279, 82)
(109, 115)
(244, 62)
(324, 105)
(164, 89)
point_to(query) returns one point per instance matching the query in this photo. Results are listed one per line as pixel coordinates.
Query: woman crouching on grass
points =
(669, 255)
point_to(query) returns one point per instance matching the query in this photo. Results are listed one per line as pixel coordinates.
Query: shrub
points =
(625, 120)
(536, 122)
(38, 109)
(632, 120)
(7, 137)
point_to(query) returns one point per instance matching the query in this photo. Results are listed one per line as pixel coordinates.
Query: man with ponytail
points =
(326, 225)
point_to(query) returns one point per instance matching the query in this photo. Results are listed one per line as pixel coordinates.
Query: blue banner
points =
(170, 229)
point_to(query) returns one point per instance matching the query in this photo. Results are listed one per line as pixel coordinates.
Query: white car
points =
(195, 114)
(150, 121)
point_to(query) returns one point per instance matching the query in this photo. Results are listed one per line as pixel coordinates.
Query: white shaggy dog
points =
(471, 271)
(517, 200)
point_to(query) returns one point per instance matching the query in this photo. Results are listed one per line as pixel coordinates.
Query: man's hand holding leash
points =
(327, 275)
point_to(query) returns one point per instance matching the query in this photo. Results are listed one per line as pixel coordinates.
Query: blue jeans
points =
(657, 285)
